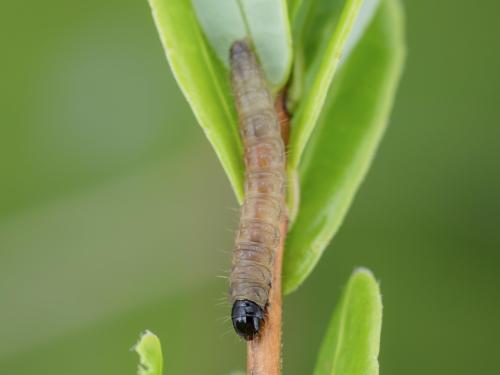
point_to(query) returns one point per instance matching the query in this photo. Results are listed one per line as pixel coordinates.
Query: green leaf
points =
(320, 35)
(351, 344)
(313, 27)
(204, 81)
(265, 21)
(346, 138)
(150, 355)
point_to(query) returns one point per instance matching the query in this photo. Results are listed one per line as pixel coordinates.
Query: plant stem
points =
(264, 352)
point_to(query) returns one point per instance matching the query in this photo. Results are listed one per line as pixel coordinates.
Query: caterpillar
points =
(264, 155)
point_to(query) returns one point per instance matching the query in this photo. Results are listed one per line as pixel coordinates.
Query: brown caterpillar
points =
(258, 233)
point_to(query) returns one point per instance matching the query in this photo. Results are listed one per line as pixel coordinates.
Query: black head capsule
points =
(247, 317)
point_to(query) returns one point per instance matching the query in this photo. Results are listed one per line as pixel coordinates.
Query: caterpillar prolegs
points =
(264, 153)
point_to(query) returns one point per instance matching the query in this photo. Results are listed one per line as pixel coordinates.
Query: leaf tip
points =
(363, 272)
(365, 276)
(150, 355)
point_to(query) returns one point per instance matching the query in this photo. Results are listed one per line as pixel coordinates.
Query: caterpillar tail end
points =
(247, 318)
(239, 47)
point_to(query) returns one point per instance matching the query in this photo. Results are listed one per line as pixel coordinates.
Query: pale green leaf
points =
(270, 30)
(352, 340)
(264, 21)
(222, 23)
(344, 143)
(204, 81)
(150, 355)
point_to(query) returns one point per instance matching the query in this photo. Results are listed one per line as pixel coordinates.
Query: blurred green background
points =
(115, 215)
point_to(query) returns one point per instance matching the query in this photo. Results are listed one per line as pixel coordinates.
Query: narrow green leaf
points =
(265, 21)
(313, 26)
(204, 81)
(150, 355)
(344, 143)
(318, 55)
(351, 344)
